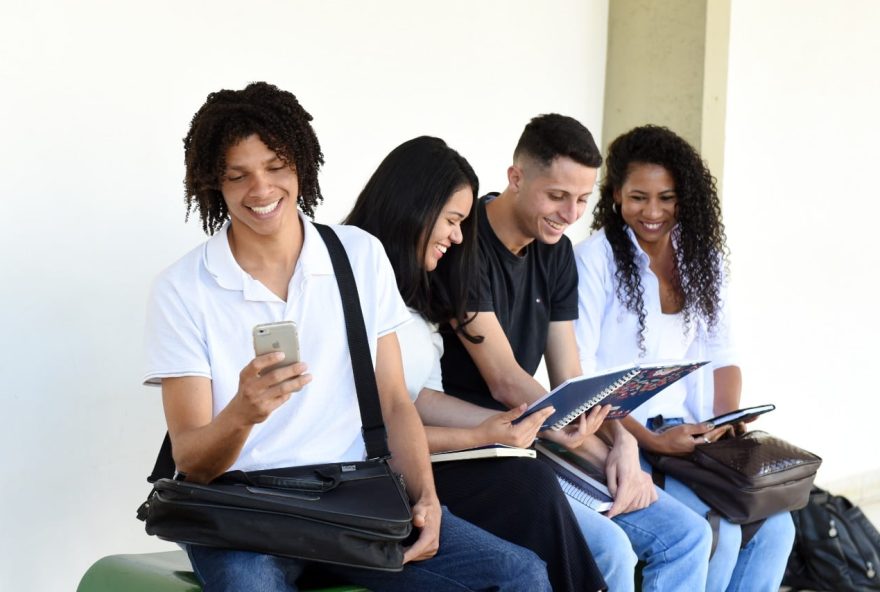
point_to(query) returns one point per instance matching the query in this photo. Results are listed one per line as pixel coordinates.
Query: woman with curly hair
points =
(652, 286)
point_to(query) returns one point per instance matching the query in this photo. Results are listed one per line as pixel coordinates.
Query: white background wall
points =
(801, 203)
(96, 96)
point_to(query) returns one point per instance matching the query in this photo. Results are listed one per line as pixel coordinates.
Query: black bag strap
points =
(164, 466)
(373, 428)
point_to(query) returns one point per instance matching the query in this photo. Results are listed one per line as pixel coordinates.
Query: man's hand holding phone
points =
(273, 375)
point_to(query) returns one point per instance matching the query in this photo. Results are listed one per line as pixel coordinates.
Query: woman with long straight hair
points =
(420, 204)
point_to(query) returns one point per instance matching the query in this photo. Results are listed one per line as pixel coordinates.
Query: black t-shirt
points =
(526, 292)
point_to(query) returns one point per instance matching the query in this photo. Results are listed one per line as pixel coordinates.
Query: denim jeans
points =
(673, 542)
(469, 559)
(758, 567)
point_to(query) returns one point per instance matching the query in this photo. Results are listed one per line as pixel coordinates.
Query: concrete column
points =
(667, 64)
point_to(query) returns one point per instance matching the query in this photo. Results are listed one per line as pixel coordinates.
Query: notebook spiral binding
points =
(595, 400)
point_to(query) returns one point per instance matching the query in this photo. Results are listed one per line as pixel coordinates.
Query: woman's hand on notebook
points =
(499, 429)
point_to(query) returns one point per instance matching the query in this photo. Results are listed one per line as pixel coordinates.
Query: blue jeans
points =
(469, 559)
(758, 567)
(673, 542)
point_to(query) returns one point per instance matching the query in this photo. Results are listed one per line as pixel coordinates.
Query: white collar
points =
(641, 255)
(314, 259)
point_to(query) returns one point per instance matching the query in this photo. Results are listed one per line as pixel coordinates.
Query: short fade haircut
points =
(550, 136)
(230, 116)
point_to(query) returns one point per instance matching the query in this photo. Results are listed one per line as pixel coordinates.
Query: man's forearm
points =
(409, 451)
(615, 434)
(516, 387)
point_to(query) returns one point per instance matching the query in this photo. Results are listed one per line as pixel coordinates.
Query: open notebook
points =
(622, 388)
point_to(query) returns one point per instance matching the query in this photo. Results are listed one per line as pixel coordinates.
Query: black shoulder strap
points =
(373, 428)
(164, 467)
(361, 361)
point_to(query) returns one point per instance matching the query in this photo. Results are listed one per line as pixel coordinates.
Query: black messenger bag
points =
(352, 513)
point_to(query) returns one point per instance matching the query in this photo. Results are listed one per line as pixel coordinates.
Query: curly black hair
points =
(229, 116)
(701, 245)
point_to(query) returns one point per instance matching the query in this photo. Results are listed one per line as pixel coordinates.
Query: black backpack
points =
(836, 547)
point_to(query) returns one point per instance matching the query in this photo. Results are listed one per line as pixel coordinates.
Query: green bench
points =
(169, 571)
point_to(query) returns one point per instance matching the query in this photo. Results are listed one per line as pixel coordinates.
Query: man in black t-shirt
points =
(525, 309)
(527, 298)
(526, 292)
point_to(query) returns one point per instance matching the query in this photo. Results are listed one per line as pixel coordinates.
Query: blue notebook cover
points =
(622, 388)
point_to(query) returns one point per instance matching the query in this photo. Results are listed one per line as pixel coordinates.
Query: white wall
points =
(801, 203)
(96, 98)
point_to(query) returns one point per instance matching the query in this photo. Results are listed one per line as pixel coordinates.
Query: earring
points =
(614, 207)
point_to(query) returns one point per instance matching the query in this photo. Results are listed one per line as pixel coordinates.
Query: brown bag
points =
(745, 478)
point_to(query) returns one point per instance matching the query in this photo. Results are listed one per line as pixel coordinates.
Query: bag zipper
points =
(833, 532)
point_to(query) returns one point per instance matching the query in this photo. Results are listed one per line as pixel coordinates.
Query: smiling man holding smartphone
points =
(252, 160)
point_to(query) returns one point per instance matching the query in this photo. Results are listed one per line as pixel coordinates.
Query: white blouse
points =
(421, 348)
(607, 333)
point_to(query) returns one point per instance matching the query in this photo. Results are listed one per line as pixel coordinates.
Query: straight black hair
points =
(400, 205)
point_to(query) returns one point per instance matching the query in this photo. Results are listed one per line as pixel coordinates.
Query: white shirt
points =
(421, 348)
(200, 318)
(607, 333)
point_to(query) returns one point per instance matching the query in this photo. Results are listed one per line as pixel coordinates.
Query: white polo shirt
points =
(200, 318)
(607, 332)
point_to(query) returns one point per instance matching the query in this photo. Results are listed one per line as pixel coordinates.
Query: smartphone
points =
(281, 336)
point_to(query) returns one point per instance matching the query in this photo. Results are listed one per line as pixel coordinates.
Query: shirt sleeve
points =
(720, 345)
(480, 292)
(564, 306)
(390, 310)
(592, 271)
(435, 378)
(174, 345)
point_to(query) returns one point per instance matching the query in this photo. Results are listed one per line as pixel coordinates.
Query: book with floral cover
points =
(622, 388)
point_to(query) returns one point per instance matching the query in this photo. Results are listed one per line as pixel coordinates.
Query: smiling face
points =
(549, 199)
(647, 202)
(447, 228)
(259, 189)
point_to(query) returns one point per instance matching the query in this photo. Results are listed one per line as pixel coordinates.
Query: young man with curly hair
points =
(526, 307)
(251, 172)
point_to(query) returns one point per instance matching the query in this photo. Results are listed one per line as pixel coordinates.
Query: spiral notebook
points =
(622, 388)
(578, 478)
